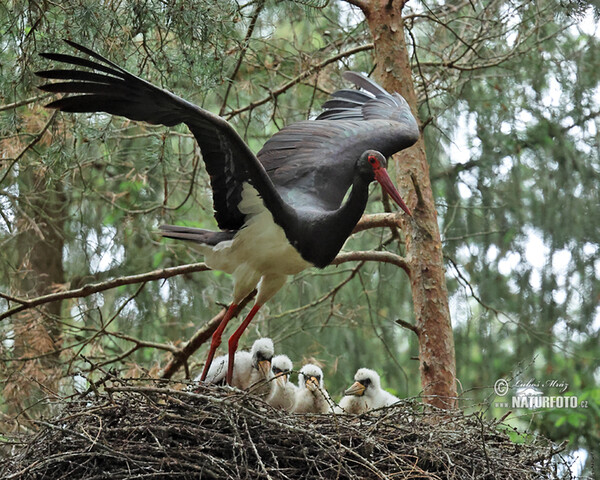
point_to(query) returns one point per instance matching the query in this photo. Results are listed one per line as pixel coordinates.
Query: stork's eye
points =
(276, 370)
(373, 161)
(366, 382)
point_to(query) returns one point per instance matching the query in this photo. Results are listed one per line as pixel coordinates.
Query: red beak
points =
(384, 179)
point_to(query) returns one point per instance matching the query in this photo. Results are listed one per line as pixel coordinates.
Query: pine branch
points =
(257, 9)
(315, 68)
(181, 356)
(30, 145)
(89, 289)
(27, 101)
(374, 256)
(377, 220)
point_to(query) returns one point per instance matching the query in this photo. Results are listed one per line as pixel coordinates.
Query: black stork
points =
(292, 205)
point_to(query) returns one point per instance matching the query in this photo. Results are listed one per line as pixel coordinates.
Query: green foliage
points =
(517, 176)
(511, 109)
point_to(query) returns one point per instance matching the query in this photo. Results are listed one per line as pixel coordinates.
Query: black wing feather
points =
(312, 163)
(196, 235)
(307, 165)
(228, 159)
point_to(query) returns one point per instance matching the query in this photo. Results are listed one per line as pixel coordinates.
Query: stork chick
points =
(283, 392)
(311, 396)
(365, 394)
(249, 368)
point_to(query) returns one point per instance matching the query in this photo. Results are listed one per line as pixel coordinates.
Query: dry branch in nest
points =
(154, 431)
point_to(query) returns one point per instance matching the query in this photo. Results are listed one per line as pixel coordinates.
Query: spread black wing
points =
(103, 86)
(307, 165)
(312, 163)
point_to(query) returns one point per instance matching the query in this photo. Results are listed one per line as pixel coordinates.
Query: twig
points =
(299, 78)
(30, 145)
(11, 106)
(257, 9)
(374, 256)
(181, 356)
(407, 325)
(89, 289)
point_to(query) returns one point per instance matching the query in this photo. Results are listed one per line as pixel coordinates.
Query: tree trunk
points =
(40, 248)
(422, 235)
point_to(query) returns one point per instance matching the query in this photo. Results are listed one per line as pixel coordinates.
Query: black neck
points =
(328, 232)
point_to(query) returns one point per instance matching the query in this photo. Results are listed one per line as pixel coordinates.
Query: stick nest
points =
(155, 431)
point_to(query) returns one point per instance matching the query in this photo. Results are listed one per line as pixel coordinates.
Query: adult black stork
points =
(279, 211)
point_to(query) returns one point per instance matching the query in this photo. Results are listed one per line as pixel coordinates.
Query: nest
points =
(154, 431)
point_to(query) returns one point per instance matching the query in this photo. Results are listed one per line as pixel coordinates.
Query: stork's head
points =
(310, 377)
(372, 165)
(281, 366)
(366, 382)
(262, 353)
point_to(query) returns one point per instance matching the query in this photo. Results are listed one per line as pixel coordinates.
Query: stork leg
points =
(216, 339)
(234, 339)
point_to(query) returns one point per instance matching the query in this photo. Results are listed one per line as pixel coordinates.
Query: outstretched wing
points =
(103, 86)
(311, 163)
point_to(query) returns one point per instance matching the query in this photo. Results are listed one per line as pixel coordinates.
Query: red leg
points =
(216, 339)
(233, 340)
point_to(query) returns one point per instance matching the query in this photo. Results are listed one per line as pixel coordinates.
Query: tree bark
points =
(40, 255)
(422, 236)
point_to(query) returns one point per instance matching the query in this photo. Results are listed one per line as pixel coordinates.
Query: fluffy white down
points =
(283, 392)
(311, 398)
(244, 372)
(373, 397)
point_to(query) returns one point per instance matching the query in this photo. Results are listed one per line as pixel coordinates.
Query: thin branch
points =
(181, 355)
(455, 169)
(143, 343)
(10, 298)
(105, 326)
(334, 291)
(385, 257)
(30, 145)
(89, 289)
(377, 220)
(299, 78)
(407, 325)
(472, 235)
(27, 101)
(362, 4)
(581, 121)
(257, 9)
(462, 278)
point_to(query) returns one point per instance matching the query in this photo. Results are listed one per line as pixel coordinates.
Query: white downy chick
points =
(249, 368)
(365, 394)
(283, 392)
(311, 396)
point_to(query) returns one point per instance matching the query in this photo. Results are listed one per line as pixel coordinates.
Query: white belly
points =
(261, 244)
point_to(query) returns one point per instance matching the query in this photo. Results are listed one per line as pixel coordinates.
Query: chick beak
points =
(357, 389)
(312, 384)
(264, 366)
(281, 379)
